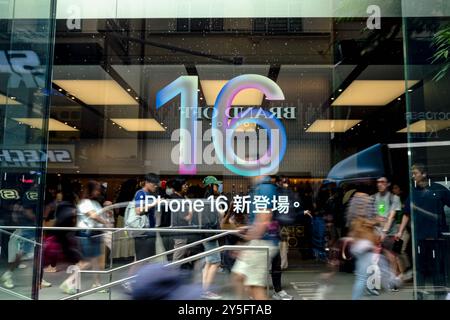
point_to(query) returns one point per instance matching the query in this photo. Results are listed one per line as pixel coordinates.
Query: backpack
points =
(289, 218)
(133, 220)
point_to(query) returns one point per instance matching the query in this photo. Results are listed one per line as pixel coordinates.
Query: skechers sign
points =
(27, 156)
(23, 66)
(264, 160)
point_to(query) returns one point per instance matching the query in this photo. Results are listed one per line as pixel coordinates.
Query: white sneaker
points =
(6, 280)
(210, 296)
(282, 295)
(22, 266)
(95, 285)
(45, 284)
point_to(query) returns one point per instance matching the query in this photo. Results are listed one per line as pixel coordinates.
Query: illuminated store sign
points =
(225, 128)
(27, 156)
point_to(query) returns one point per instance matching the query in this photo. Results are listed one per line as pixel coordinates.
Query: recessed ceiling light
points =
(399, 98)
(97, 92)
(332, 125)
(410, 90)
(60, 90)
(73, 98)
(128, 89)
(332, 98)
(372, 92)
(53, 125)
(340, 90)
(423, 126)
(245, 127)
(137, 98)
(6, 100)
(247, 97)
(138, 124)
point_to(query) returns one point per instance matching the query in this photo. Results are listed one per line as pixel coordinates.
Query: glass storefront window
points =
(332, 101)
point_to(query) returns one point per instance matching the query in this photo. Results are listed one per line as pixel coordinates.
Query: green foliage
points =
(441, 41)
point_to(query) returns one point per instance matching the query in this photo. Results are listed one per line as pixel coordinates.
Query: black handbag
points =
(398, 244)
(393, 244)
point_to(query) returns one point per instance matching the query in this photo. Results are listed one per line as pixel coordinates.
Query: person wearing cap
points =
(211, 182)
(145, 243)
(211, 222)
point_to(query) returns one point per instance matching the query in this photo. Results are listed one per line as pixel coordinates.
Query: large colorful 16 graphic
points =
(186, 87)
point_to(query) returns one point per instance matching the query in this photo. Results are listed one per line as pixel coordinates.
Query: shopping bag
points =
(69, 285)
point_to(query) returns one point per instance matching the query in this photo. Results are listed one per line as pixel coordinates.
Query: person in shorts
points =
(211, 219)
(251, 267)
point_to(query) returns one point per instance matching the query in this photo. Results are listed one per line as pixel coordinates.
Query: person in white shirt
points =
(89, 216)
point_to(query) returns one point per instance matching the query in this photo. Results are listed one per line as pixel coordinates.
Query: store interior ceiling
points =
(345, 83)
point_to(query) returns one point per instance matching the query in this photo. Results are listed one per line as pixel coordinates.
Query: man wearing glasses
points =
(386, 204)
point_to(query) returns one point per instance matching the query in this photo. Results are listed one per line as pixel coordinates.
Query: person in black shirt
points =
(181, 218)
(426, 207)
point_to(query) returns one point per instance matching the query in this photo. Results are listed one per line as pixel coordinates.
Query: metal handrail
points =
(176, 230)
(188, 259)
(220, 233)
(113, 230)
(20, 237)
(189, 245)
(18, 295)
